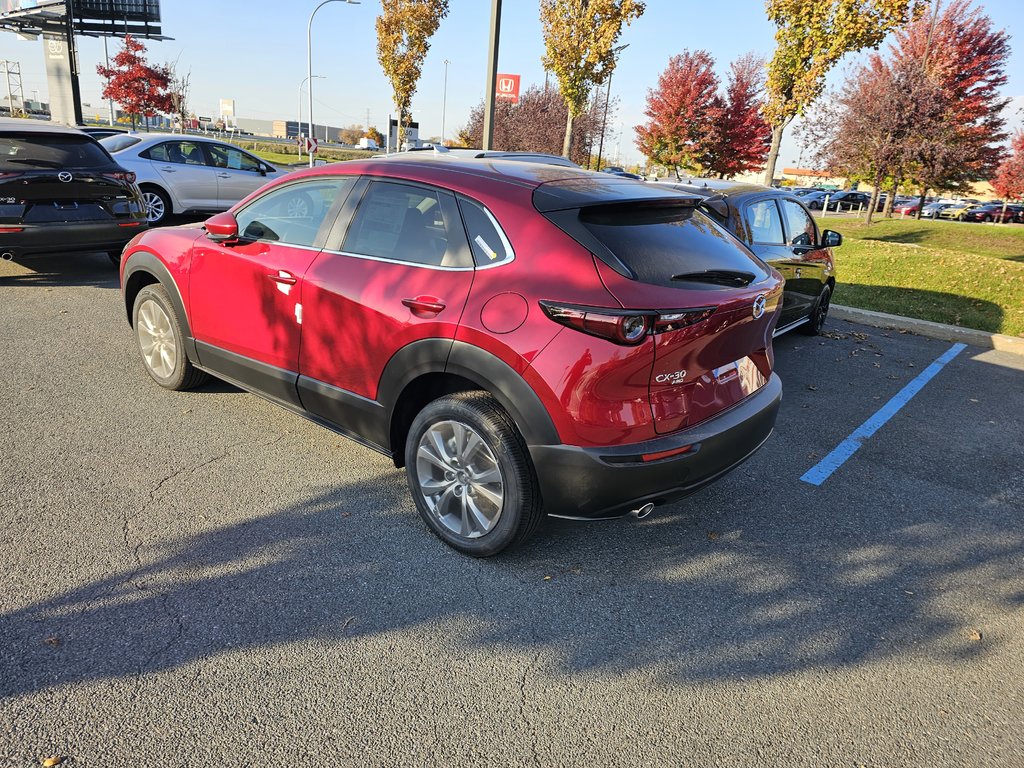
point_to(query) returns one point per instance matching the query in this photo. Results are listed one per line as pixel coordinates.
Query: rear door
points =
(400, 271)
(181, 165)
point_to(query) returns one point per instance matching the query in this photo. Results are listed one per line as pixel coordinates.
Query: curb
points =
(998, 341)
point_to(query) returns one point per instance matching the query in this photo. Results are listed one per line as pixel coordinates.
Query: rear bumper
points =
(71, 236)
(593, 483)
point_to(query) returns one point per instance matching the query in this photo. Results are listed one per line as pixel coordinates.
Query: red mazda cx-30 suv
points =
(524, 339)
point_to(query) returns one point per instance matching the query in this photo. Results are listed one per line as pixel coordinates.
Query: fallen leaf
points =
(547, 578)
(346, 514)
(52, 640)
(712, 535)
(975, 634)
(973, 400)
(812, 387)
(52, 761)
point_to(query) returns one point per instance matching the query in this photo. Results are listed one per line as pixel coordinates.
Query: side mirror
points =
(830, 239)
(222, 228)
(264, 169)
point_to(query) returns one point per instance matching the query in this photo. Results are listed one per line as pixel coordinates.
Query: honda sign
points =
(507, 88)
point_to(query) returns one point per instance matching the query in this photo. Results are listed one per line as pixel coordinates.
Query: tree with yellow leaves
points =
(404, 29)
(579, 47)
(812, 36)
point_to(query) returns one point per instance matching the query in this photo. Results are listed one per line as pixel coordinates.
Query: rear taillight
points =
(128, 176)
(622, 326)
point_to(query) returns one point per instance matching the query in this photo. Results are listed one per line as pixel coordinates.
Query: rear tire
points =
(817, 317)
(158, 205)
(470, 474)
(161, 342)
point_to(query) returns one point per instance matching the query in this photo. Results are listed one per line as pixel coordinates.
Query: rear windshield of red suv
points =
(24, 152)
(661, 244)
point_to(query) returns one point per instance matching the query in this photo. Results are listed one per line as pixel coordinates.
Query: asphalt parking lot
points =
(202, 578)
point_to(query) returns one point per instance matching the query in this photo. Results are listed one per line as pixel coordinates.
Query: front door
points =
(182, 166)
(245, 302)
(239, 174)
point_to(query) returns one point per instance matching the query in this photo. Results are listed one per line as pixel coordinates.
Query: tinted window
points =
(764, 223)
(799, 226)
(404, 223)
(21, 152)
(488, 242)
(223, 156)
(180, 152)
(660, 243)
(118, 142)
(293, 214)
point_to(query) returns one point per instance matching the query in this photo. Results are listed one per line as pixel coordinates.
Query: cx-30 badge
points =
(759, 305)
(64, 176)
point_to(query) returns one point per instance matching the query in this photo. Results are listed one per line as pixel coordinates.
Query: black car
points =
(778, 228)
(61, 191)
(848, 201)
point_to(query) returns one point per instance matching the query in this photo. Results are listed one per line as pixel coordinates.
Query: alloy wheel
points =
(459, 477)
(155, 208)
(156, 339)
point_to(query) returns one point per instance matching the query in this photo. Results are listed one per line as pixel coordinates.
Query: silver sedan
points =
(188, 174)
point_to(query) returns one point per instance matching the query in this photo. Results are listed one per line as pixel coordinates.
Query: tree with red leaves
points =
(965, 57)
(140, 89)
(1009, 179)
(745, 136)
(684, 115)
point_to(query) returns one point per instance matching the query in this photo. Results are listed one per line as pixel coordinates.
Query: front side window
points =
(179, 152)
(232, 158)
(799, 226)
(400, 222)
(764, 223)
(293, 214)
(487, 241)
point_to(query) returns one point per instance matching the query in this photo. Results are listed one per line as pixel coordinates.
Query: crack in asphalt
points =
(522, 708)
(164, 598)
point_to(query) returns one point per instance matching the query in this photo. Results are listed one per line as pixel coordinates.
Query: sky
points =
(254, 51)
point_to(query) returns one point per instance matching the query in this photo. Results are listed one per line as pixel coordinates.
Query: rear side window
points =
(764, 223)
(19, 153)
(661, 244)
(487, 241)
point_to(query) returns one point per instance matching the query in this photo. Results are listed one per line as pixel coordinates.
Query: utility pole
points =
(76, 91)
(110, 102)
(492, 74)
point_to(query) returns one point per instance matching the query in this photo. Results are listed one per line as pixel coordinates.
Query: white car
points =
(188, 174)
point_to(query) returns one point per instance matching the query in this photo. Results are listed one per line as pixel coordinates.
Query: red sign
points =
(507, 88)
(311, 146)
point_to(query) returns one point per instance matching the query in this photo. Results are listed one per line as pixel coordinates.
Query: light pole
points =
(299, 126)
(444, 99)
(607, 102)
(309, 59)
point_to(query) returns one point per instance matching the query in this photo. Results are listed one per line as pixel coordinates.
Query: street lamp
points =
(298, 129)
(309, 59)
(607, 102)
(444, 99)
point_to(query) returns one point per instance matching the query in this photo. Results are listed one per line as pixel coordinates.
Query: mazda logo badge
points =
(64, 176)
(759, 304)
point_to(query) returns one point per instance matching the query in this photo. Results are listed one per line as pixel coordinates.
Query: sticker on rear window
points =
(489, 252)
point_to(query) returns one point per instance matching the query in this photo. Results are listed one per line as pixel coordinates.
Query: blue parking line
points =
(821, 471)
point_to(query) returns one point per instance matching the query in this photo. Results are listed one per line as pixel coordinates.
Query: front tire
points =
(470, 474)
(817, 318)
(161, 342)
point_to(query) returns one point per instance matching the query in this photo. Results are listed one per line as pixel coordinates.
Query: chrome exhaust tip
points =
(7, 256)
(643, 511)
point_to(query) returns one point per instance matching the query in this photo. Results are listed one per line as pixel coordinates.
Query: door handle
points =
(223, 175)
(283, 278)
(425, 306)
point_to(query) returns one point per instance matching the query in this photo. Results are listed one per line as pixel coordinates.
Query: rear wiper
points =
(718, 277)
